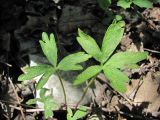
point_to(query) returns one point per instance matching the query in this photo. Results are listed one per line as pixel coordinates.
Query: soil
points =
(21, 25)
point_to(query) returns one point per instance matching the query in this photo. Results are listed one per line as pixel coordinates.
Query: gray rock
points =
(53, 84)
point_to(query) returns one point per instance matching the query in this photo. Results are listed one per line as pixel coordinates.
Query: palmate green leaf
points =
(89, 45)
(124, 59)
(81, 112)
(45, 78)
(143, 3)
(125, 3)
(49, 48)
(32, 72)
(117, 78)
(112, 38)
(49, 106)
(104, 4)
(71, 62)
(87, 74)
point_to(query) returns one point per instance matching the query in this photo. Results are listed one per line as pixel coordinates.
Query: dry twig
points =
(15, 92)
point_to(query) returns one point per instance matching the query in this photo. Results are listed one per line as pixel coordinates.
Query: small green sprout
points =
(49, 103)
(110, 65)
(104, 4)
(68, 63)
(80, 113)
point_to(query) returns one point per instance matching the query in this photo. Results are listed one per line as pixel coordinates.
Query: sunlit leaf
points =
(130, 66)
(49, 48)
(44, 78)
(87, 74)
(49, 106)
(118, 86)
(117, 78)
(143, 3)
(48, 112)
(71, 62)
(118, 17)
(124, 3)
(69, 113)
(81, 112)
(123, 59)
(112, 38)
(89, 45)
(32, 72)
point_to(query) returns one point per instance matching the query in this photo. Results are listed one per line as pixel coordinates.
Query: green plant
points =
(49, 103)
(70, 62)
(104, 4)
(111, 66)
(80, 112)
(141, 3)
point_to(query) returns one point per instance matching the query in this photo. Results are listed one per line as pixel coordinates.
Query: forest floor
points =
(22, 24)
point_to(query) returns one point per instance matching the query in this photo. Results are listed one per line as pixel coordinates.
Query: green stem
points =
(85, 91)
(62, 85)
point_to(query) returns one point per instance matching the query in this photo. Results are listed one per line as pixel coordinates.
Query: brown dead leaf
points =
(148, 93)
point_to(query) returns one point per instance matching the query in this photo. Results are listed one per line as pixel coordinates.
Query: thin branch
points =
(153, 51)
(41, 109)
(15, 92)
(16, 103)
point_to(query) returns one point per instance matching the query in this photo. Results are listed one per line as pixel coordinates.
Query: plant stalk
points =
(62, 85)
(85, 91)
